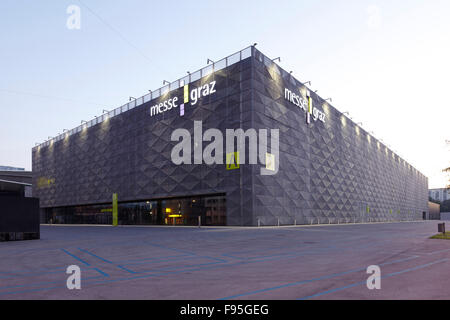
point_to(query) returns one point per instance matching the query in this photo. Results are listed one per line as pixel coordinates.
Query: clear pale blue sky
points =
(387, 62)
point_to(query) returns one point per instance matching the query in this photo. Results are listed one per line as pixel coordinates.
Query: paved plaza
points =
(320, 262)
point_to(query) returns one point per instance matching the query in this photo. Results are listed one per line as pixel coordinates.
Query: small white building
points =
(445, 216)
(441, 195)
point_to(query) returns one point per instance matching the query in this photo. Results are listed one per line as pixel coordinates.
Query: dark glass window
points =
(139, 213)
(96, 214)
(181, 211)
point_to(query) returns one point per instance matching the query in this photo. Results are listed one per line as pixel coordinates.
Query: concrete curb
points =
(230, 227)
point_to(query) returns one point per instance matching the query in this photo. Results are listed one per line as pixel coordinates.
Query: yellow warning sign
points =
(186, 93)
(233, 161)
(270, 162)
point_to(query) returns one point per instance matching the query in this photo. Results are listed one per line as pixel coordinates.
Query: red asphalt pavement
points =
(321, 262)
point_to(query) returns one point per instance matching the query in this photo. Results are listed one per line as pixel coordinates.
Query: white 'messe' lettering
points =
(302, 103)
(164, 106)
(296, 99)
(195, 95)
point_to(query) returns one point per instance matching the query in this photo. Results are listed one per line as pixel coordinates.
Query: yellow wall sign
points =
(115, 210)
(270, 162)
(186, 93)
(233, 161)
(44, 182)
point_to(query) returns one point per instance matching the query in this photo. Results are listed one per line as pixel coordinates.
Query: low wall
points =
(19, 218)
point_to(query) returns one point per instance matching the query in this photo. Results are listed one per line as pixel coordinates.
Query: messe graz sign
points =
(306, 104)
(191, 96)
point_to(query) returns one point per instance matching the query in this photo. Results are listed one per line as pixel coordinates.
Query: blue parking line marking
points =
(125, 269)
(95, 256)
(101, 272)
(74, 256)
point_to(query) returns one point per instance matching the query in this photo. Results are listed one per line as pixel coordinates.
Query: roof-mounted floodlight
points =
(208, 61)
(307, 82)
(165, 81)
(132, 98)
(279, 59)
(329, 99)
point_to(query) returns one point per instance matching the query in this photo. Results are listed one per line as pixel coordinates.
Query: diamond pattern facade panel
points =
(331, 172)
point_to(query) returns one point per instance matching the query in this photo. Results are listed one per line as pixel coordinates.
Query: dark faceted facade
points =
(329, 172)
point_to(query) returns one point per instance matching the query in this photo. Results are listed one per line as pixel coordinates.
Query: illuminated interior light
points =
(168, 210)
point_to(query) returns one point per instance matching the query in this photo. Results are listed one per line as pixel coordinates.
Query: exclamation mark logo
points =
(308, 114)
(186, 99)
(186, 94)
